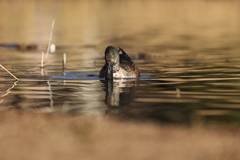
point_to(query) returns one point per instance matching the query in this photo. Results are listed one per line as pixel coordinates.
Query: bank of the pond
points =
(39, 136)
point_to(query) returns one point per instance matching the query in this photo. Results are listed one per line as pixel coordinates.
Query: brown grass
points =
(47, 137)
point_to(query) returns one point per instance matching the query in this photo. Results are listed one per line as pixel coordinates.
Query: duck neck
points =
(116, 67)
(111, 69)
(109, 74)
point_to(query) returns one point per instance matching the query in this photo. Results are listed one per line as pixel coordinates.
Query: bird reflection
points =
(119, 93)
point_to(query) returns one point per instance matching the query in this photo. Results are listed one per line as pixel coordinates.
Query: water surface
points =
(187, 52)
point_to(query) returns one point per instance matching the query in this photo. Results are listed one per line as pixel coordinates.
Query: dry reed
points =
(64, 60)
(49, 43)
(9, 72)
(42, 60)
(9, 89)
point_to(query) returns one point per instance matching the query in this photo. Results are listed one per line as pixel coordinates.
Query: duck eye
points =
(113, 56)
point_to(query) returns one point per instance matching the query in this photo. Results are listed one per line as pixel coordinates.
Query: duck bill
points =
(110, 71)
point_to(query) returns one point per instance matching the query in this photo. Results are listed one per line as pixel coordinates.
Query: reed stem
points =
(64, 61)
(9, 72)
(42, 59)
(49, 43)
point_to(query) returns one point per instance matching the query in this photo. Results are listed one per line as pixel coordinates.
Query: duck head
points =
(111, 55)
(112, 61)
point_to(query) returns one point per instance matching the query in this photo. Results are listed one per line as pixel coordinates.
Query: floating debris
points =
(52, 48)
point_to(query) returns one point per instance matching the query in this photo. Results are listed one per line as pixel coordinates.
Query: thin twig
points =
(9, 89)
(42, 59)
(64, 61)
(9, 72)
(49, 43)
(42, 65)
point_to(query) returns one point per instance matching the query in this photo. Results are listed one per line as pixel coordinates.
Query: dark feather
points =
(103, 71)
(125, 61)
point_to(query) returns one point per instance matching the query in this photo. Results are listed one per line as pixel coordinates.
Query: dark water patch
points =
(77, 75)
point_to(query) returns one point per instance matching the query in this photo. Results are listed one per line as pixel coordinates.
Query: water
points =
(187, 52)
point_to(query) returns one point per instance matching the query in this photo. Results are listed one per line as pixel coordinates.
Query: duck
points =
(118, 65)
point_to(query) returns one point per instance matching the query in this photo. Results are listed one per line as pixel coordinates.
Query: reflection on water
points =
(187, 52)
(119, 92)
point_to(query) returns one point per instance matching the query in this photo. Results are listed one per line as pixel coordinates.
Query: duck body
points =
(118, 65)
